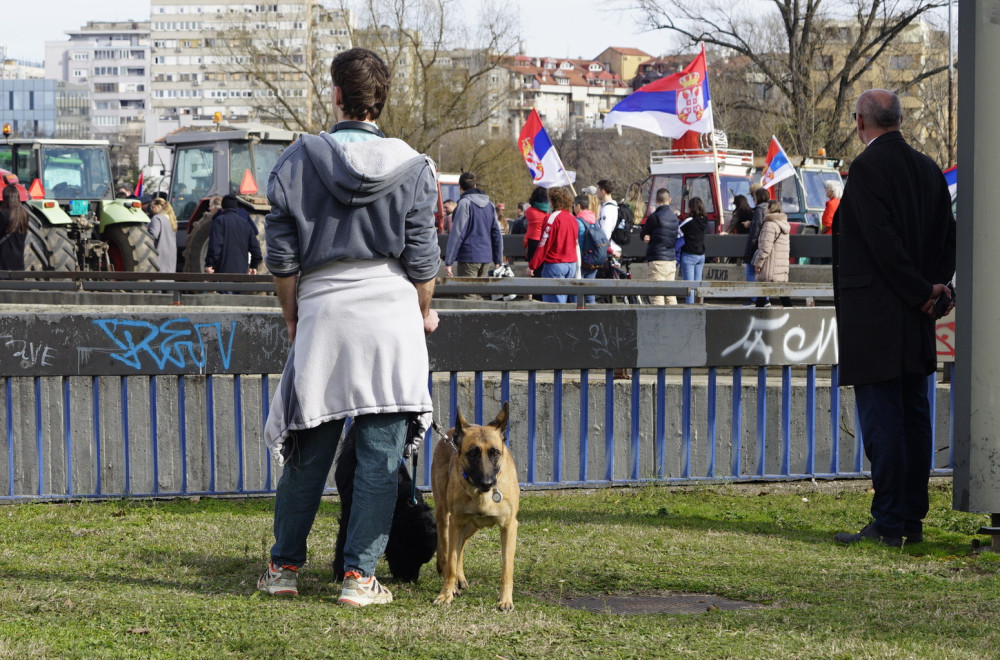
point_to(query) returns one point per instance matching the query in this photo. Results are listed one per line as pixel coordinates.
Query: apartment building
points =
(569, 94)
(111, 59)
(246, 61)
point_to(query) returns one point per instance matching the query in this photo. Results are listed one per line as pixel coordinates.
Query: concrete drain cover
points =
(663, 603)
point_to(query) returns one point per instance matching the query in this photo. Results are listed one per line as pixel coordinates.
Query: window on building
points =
(901, 62)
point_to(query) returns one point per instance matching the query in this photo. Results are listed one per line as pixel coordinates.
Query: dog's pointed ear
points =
(460, 428)
(500, 423)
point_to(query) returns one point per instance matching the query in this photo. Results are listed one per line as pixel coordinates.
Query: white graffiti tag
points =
(761, 335)
(753, 341)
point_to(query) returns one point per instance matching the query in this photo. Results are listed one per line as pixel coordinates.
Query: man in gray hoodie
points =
(353, 249)
(475, 241)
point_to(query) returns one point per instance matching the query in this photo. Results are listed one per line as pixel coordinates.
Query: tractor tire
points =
(196, 246)
(48, 248)
(131, 249)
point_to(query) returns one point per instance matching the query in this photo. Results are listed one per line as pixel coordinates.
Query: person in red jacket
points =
(539, 209)
(834, 189)
(556, 252)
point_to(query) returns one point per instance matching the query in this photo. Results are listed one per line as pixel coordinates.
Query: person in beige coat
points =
(770, 261)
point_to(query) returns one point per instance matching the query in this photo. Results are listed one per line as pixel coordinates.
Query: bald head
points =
(879, 112)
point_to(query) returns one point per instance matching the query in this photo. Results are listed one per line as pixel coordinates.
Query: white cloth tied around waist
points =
(359, 349)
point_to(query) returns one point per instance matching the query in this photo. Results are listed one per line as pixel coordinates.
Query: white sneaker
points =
(279, 581)
(359, 591)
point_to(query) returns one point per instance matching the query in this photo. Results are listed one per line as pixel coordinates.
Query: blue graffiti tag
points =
(172, 342)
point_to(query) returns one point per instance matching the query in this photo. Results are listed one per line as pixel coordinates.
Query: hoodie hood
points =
(779, 219)
(476, 196)
(358, 173)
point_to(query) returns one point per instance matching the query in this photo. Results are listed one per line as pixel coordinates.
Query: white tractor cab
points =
(690, 173)
(236, 159)
(803, 197)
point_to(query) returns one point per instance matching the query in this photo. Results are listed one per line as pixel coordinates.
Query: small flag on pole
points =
(777, 167)
(540, 156)
(670, 106)
(138, 187)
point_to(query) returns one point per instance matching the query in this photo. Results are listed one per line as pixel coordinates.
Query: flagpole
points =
(563, 168)
(715, 159)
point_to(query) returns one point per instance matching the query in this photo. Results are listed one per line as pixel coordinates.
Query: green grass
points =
(145, 579)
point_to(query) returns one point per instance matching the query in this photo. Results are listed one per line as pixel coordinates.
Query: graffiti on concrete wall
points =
(178, 342)
(30, 353)
(945, 333)
(768, 340)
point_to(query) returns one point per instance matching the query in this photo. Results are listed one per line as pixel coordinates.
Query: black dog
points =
(413, 536)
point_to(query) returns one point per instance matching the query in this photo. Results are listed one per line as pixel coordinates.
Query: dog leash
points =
(414, 451)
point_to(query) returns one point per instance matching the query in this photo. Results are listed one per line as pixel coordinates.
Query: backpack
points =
(593, 245)
(622, 233)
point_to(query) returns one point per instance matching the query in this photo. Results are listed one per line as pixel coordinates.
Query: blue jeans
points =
(590, 275)
(560, 271)
(691, 269)
(751, 276)
(895, 422)
(379, 450)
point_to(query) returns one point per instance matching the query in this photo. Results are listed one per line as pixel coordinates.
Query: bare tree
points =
(446, 76)
(287, 60)
(806, 57)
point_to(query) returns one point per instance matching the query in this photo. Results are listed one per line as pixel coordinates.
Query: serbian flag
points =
(951, 176)
(137, 193)
(777, 167)
(670, 106)
(540, 156)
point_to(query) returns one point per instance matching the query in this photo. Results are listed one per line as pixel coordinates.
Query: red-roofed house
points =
(567, 93)
(623, 61)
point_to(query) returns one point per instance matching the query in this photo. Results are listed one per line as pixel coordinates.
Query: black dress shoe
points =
(869, 532)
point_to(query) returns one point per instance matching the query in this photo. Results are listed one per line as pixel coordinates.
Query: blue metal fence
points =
(165, 435)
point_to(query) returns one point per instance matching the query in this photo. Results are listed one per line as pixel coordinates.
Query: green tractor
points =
(235, 159)
(77, 224)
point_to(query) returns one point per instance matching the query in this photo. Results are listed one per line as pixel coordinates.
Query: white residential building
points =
(201, 66)
(112, 59)
(567, 93)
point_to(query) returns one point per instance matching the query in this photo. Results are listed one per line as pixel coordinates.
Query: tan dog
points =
(475, 485)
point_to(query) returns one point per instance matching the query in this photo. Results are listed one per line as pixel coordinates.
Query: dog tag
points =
(497, 496)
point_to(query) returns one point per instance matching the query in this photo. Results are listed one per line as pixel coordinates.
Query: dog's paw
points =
(444, 599)
(505, 605)
(462, 585)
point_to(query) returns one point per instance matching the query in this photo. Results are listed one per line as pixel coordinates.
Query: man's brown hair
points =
(363, 79)
(561, 199)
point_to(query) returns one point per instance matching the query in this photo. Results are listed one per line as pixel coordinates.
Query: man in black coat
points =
(894, 248)
(232, 244)
(659, 233)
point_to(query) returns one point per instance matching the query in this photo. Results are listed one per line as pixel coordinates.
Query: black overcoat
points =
(894, 238)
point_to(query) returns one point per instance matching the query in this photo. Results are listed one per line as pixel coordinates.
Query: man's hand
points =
(430, 321)
(531, 273)
(252, 271)
(286, 289)
(209, 270)
(447, 271)
(645, 239)
(938, 291)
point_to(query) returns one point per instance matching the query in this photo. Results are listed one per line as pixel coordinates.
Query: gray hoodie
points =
(355, 200)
